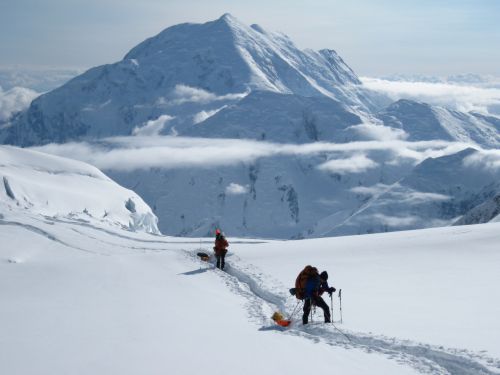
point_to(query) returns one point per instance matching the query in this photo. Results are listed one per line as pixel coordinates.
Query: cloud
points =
(379, 132)
(186, 94)
(454, 96)
(203, 115)
(400, 193)
(142, 152)
(37, 79)
(15, 100)
(371, 190)
(130, 153)
(413, 197)
(153, 127)
(486, 159)
(397, 221)
(235, 189)
(354, 164)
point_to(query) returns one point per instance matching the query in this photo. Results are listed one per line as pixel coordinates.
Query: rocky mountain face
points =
(488, 210)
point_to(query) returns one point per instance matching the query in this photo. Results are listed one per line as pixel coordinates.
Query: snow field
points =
(132, 303)
(435, 286)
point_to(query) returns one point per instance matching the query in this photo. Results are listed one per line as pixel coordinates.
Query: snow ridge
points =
(47, 185)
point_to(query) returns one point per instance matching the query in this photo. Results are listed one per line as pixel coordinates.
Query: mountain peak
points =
(229, 20)
(227, 17)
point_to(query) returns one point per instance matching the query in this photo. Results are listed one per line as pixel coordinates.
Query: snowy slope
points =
(84, 298)
(422, 121)
(435, 193)
(488, 210)
(57, 187)
(435, 286)
(264, 115)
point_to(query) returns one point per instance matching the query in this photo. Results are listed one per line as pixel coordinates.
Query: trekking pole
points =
(340, 297)
(313, 310)
(331, 306)
(310, 308)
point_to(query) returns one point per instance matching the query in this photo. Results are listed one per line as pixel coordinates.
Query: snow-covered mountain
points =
(265, 115)
(198, 64)
(487, 211)
(224, 80)
(422, 121)
(64, 189)
(435, 193)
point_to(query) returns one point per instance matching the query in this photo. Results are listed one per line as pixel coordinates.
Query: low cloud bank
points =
(15, 100)
(354, 164)
(38, 79)
(186, 94)
(140, 152)
(459, 97)
(487, 159)
(379, 132)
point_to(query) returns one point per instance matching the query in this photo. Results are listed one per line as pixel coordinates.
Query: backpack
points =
(301, 281)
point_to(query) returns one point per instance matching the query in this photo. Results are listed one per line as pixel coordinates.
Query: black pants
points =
(318, 301)
(220, 261)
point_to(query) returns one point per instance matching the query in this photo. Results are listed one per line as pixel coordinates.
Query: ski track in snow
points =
(247, 281)
(250, 283)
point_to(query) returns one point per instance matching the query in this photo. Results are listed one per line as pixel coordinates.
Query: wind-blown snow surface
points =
(58, 187)
(79, 298)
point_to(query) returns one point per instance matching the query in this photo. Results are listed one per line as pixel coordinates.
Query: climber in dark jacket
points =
(220, 248)
(315, 287)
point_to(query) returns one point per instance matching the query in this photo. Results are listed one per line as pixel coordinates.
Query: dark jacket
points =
(316, 287)
(221, 245)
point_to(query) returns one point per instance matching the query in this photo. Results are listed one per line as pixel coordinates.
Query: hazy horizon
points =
(428, 37)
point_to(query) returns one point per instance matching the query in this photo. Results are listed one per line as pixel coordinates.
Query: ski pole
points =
(340, 297)
(311, 308)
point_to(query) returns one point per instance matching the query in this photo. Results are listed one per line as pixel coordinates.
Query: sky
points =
(375, 37)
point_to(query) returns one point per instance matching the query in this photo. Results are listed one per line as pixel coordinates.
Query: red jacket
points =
(221, 245)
